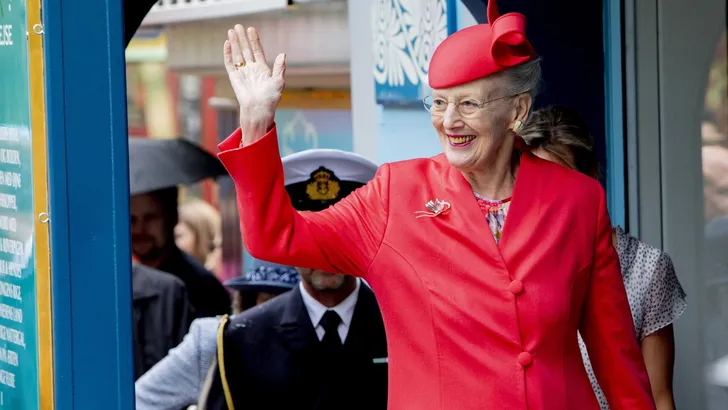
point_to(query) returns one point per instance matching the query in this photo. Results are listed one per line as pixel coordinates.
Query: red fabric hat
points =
(479, 51)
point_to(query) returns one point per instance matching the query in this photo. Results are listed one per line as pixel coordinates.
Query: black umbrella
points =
(134, 13)
(163, 163)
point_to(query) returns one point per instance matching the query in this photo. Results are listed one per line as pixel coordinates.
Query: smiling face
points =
(474, 122)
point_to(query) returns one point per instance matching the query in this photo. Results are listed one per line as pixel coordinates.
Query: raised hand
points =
(257, 87)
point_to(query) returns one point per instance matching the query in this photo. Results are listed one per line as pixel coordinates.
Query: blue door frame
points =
(614, 112)
(89, 203)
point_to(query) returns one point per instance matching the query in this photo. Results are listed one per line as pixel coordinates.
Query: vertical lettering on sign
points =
(19, 387)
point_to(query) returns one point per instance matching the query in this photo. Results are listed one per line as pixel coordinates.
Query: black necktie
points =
(330, 322)
(331, 349)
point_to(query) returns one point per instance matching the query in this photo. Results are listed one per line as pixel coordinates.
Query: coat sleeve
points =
(608, 330)
(343, 238)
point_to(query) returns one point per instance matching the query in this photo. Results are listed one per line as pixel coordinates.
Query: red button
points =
(524, 359)
(516, 287)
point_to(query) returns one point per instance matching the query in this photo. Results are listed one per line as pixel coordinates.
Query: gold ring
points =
(240, 64)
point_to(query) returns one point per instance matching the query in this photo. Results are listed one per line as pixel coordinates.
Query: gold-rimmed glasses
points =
(467, 108)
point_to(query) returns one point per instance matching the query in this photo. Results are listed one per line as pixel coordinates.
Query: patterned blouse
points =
(495, 213)
(655, 295)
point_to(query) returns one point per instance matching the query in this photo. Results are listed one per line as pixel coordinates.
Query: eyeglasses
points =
(466, 108)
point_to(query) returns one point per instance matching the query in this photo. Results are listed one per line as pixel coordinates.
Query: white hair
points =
(523, 78)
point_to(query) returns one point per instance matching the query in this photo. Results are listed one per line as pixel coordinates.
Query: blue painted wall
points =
(406, 133)
(299, 130)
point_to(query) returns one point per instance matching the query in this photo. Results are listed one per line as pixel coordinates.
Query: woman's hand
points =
(257, 87)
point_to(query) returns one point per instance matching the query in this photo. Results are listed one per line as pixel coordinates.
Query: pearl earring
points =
(517, 126)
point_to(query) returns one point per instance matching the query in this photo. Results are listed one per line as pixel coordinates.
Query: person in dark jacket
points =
(153, 218)
(321, 346)
(177, 380)
(162, 315)
(276, 359)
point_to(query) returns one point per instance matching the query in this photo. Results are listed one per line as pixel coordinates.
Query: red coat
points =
(470, 324)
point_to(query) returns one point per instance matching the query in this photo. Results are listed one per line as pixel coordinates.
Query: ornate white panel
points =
(405, 35)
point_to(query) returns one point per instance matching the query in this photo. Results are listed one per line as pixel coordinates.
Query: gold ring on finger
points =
(240, 64)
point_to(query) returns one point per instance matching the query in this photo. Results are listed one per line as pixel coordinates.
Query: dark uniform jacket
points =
(274, 360)
(162, 315)
(206, 294)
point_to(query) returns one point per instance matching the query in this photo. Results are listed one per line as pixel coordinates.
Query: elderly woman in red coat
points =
(478, 315)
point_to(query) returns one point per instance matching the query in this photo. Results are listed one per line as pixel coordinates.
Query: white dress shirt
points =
(345, 310)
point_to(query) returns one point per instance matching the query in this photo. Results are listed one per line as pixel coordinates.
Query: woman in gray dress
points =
(655, 295)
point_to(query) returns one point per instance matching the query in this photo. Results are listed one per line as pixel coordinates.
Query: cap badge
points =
(324, 186)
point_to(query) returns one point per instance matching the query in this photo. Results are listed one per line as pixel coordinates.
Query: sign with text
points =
(18, 315)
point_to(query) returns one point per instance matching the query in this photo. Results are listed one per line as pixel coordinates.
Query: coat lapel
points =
(295, 328)
(298, 337)
(465, 206)
(526, 204)
(526, 190)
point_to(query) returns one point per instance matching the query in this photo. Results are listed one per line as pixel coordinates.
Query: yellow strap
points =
(221, 363)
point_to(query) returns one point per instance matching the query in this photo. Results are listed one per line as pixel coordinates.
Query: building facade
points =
(649, 76)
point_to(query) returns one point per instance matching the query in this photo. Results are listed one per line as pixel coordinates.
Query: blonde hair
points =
(205, 222)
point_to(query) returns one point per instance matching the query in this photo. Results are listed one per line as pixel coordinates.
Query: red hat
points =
(479, 51)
